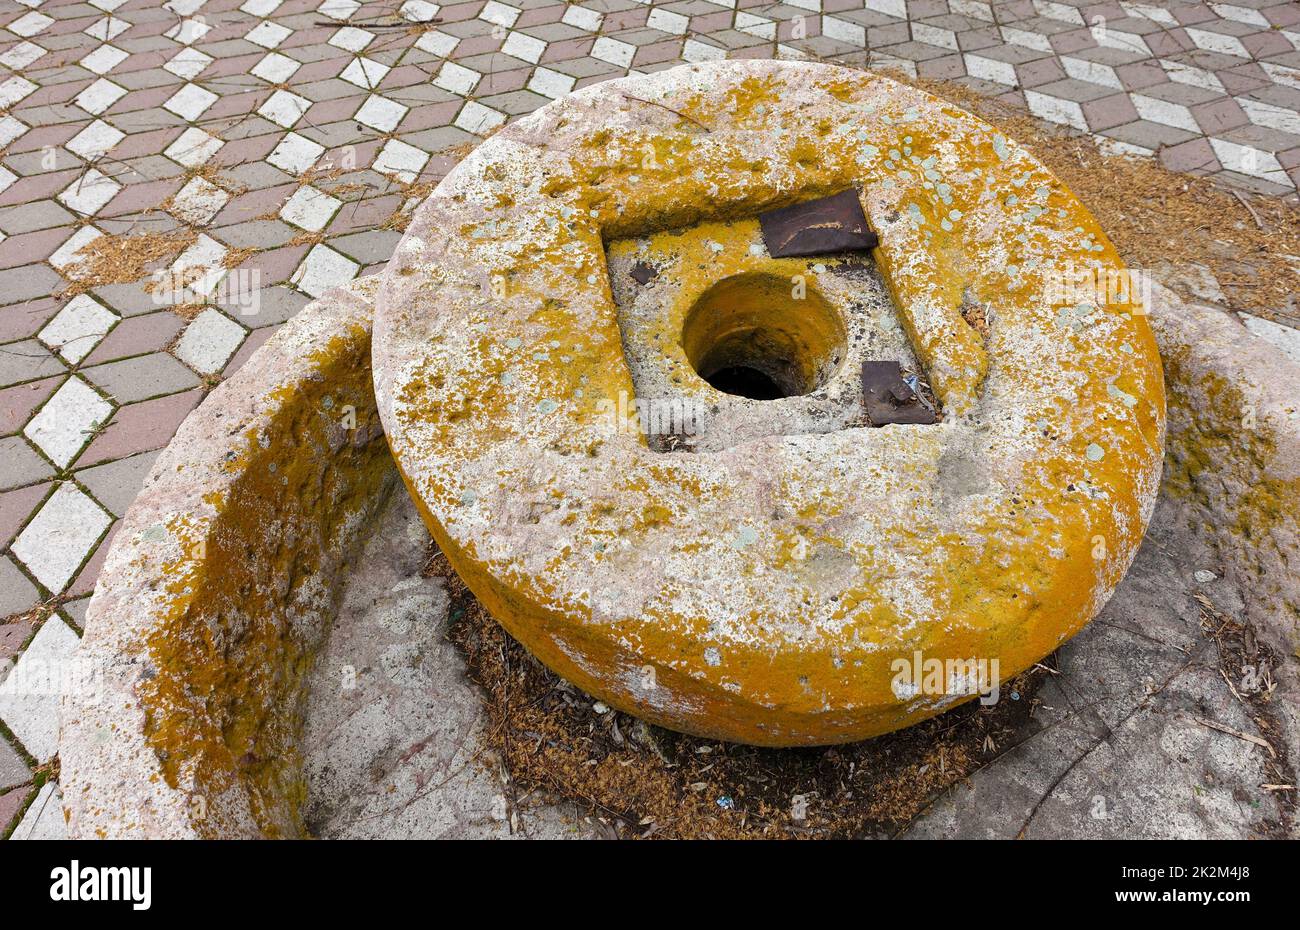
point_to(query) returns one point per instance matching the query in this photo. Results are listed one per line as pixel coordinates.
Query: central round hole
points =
(760, 336)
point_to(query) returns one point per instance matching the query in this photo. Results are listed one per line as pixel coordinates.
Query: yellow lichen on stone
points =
(764, 593)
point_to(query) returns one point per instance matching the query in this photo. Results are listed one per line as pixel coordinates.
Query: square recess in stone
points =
(726, 344)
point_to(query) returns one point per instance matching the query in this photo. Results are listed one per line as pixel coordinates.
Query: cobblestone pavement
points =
(263, 145)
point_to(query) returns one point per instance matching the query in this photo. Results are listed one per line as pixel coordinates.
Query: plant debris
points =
(635, 780)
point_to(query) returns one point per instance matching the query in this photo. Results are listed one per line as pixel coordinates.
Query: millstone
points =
(774, 575)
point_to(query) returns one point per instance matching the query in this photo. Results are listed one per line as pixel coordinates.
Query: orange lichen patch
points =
(997, 533)
(229, 651)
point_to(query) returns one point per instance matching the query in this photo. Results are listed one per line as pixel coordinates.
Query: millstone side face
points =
(762, 592)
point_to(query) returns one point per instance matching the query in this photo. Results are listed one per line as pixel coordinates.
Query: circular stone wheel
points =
(778, 592)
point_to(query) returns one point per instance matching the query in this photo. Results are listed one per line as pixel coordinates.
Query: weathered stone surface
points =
(762, 593)
(218, 590)
(1118, 722)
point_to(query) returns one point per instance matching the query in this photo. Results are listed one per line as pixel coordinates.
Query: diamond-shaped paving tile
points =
(44, 819)
(29, 696)
(381, 113)
(309, 209)
(209, 341)
(190, 102)
(364, 73)
(199, 268)
(95, 141)
(188, 63)
(67, 421)
(193, 147)
(457, 79)
(198, 201)
(268, 34)
(21, 55)
(478, 119)
(295, 153)
(90, 192)
(322, 269)
(275, 68)
(99, 96)
(78, 327)
(400, 160)
(103, 59)
(284, 109)
(61, 536)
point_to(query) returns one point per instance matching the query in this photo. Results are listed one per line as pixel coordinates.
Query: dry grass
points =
(1157, 217)
(637, 780)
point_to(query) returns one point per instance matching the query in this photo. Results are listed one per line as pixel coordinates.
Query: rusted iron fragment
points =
(817, 227)
(643, 273)
(889, 398)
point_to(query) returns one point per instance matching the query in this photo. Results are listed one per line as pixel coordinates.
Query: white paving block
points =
(95, 141)
(550, 83)
(188, 63)
(351, 39)
(284, 109)
(67, 421)
(44, 819)
(364, 73)
(61, 536)
(380, 113)
(580, 17)
(103, 59)
(524, 47)
(268, 34)
(613, 51)
(90, 192)
(190, 102)
(29, 694)
(198, 201)
(400, 160)
(295, 153)
(275, 68)
(21, 55)
(478, 119)
(209, 341)
(67, 254)
(78, 327)
(309, 208)
(193, 147)
(99, 96)
(322, 269)
(457, 79)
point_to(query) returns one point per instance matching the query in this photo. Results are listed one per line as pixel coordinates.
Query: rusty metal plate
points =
(817, 227)
(889, 398)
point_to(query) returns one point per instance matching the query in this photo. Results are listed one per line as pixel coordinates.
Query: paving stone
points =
(60, 537)
(323, 269)
(78, 328)
(22, 464)
(209, 341)
(141, 378)
(29, 695)
(115, 484)
(17, 594)
(67, 421)
(44, 818)
(13, 770)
